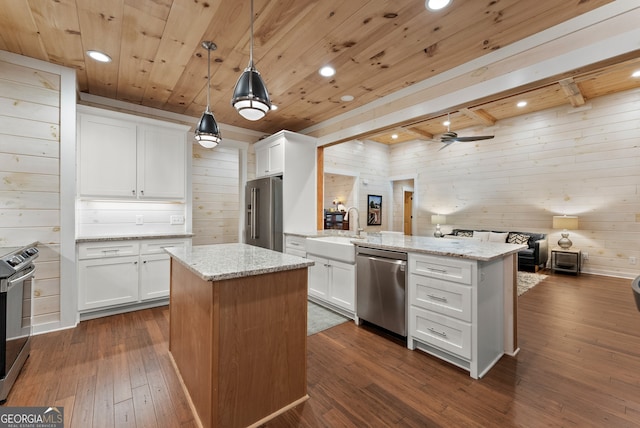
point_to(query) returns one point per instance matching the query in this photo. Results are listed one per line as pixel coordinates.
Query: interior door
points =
(408, 210)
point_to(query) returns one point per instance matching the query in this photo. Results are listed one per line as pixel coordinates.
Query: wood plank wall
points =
(216, 195)
(30, 176)
(371, 161)
(557, 161)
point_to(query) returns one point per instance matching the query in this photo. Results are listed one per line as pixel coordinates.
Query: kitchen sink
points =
(333, 247)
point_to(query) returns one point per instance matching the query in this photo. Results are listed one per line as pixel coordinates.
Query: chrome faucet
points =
(346, 218)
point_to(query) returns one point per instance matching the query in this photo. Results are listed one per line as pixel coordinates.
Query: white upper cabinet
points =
(293, 156)
(127, 157)
(161, 163)
(270, 158)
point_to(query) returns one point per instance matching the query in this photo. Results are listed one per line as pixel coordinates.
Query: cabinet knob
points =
(133, 192)
(142, 192)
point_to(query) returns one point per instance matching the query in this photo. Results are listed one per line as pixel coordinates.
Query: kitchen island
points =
(461, 297)
(238, 329)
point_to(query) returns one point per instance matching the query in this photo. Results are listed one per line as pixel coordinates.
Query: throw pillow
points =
(498, 237)
(517, 238)
(465, 233)
(482, 236)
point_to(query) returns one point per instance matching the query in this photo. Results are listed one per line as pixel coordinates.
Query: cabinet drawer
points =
(156, 246)
(295, 242)
(441, 267)
(444, 297)
(446, 333)
(108, 249)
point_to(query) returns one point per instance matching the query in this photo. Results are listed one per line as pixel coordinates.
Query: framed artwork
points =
(374, 210)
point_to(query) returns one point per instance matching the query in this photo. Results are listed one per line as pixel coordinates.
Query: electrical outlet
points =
(139, 219)
(585, 256)
(176, 219)
(633, 260)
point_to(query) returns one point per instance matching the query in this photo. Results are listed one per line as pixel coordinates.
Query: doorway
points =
(407, 216)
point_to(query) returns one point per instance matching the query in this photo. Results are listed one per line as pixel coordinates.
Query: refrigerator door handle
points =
(254, 213)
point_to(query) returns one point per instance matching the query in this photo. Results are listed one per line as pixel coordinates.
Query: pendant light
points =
(250, 96)
(207, 131)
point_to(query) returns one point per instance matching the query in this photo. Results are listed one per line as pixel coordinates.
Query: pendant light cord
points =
(208, 75)
(251, 45)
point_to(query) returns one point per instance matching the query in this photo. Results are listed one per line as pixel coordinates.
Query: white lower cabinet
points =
(456, 310)
(116, 274)
(333, 282)
(107, 282)
(295, 245)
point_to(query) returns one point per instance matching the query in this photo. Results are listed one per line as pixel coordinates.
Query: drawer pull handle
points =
(105, 252)
(439, 333)
(438, 298)
(443, 271)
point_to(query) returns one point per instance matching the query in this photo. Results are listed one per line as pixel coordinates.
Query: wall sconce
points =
(566, 223)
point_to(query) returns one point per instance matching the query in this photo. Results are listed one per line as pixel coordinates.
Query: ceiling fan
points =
(450, 137)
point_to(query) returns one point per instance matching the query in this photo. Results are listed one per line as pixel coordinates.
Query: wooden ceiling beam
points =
(479, 115)
(418, 132)
(572, 91)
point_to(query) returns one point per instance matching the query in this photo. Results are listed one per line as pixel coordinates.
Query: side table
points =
(566, 260)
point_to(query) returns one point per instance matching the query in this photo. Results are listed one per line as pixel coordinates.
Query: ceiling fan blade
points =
(446, 144)
(476, 138)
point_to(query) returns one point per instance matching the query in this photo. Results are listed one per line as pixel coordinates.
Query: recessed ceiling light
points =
(521, 103)
(436, 4)
(327, 71)
(635, 73)
(99, 56)
(446, 123)
(347, 98)
(394, 136)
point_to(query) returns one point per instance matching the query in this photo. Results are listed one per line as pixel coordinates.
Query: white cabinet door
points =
(270, 158)
(106, 282)
(318, 278)
(154, 276)
(107, 157)
(120, 158)
(342, 285)
(161, 165)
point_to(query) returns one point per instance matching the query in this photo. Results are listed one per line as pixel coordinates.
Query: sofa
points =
(529, 259)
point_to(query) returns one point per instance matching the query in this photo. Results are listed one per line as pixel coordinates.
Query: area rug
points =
(528, 280)
(319, 318)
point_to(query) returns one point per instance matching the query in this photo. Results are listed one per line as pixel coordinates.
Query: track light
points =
(207, 131)
(250, 96)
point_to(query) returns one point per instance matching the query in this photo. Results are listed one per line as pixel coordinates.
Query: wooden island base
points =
(239, 344)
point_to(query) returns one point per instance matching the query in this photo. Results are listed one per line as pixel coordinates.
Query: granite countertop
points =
(131, 237)
(227, 261)
(463, 248)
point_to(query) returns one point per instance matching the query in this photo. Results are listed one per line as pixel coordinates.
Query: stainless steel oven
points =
(16, 274)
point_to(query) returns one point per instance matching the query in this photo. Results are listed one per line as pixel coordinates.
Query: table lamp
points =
(438, 219)
(565, 222)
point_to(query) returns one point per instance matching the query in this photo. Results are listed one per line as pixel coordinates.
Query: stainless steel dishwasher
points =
(381, 288)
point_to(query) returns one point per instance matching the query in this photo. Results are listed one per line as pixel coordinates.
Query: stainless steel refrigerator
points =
(264, 213)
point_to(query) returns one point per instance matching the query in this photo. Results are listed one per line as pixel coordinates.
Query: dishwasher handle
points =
(383, 254)
(401, 263)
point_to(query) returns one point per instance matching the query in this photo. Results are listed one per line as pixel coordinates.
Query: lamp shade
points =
(565, 222)
(438, 219)
(250, 96)
(207, 131)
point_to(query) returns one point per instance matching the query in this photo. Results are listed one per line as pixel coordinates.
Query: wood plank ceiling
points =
(376, 46)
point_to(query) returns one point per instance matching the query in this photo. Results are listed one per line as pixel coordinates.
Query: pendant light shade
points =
(207, 131)
(250, 96)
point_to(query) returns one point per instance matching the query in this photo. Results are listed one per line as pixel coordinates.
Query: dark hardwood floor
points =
(579, 366)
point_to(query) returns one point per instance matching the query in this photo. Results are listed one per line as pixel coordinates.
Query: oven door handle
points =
(29, 274)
